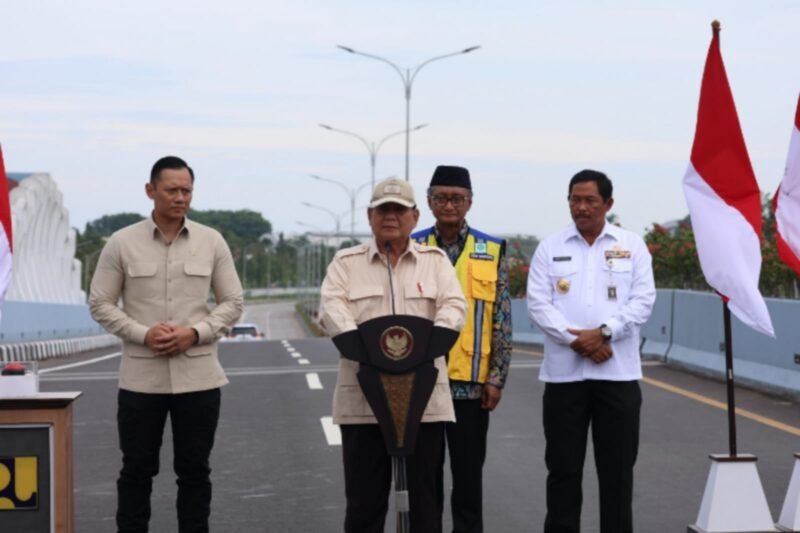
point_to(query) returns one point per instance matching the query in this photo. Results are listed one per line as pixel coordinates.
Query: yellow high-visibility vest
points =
(476, 268)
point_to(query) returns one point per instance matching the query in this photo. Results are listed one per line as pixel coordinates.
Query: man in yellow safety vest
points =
(478, 363)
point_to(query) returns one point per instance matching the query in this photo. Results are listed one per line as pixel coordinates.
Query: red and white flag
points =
(724, 199)
(6, 239)
(787, 203)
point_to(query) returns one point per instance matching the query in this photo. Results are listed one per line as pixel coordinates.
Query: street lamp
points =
(336, 218)
(352, 194)
(372, 147)
(407, 78)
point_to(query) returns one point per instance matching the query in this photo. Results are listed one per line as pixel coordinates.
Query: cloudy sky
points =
(94, 92)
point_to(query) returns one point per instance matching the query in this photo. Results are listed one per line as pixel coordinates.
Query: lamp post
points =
(337, 218)
(85, 269)
(372, 146)
(352, 194)
(407, 78)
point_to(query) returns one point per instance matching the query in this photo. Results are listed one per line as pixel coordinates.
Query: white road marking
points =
(230, 372)
(82, 363)
(297, 355)
(313, 381)
(304, 361)
(290, 349)
(332, 433)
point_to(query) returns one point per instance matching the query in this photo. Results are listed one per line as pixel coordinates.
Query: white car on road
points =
(243, 332)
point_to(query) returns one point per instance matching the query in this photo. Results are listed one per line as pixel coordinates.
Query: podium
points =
(36, 483)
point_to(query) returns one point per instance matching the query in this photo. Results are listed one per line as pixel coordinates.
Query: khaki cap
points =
(394, 191)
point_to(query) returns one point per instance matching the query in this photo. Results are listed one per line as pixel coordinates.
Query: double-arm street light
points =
(407, 78)
(372, 146)
(336, 217)
(352, 193)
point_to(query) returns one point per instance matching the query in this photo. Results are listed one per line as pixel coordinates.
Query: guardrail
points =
(37, 351)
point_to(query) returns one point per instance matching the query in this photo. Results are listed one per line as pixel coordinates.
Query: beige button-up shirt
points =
(356, 289)
(170, 282)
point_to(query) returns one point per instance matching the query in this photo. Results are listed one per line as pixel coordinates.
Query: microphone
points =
(387, 247)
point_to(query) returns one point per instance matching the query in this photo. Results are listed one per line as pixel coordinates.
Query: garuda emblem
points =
(396, 343)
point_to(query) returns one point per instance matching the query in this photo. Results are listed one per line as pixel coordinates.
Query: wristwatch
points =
(605, 331)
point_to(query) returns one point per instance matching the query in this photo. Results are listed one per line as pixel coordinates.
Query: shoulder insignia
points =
(353, 250)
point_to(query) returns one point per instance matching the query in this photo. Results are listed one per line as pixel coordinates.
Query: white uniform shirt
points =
(574, 285)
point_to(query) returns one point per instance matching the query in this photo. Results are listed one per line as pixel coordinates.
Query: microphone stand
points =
(398, 462)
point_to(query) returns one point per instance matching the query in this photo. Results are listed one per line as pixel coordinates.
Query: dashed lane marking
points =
(313, 381)
(332, 433)
(304, 361)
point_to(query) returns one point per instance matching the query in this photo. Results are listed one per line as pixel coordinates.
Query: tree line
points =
(262, 259)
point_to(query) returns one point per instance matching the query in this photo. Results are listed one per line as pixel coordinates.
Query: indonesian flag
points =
(787, 203)
(724, 199)
(6, 240)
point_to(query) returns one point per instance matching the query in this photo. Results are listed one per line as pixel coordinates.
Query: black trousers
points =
(466, 443)
(612, 409)
(140, 421)
(368, 478)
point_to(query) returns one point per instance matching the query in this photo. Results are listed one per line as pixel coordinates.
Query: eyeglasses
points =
(590, 201)
(458, 200)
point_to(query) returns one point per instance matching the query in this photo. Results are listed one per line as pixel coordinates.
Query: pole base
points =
(734, 500)
(790, 513)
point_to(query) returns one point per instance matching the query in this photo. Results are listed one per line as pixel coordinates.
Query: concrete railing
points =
(40, 350)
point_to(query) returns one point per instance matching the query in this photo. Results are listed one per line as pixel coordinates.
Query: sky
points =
(94, 92)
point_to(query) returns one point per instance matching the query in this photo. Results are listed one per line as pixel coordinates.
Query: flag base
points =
(790, 513)
(734, 500)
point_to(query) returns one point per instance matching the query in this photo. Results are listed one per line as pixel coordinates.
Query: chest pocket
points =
(420, 303)
(620, 273)
(196, 279)
(141, 279)
(483, 280)
(365, 301)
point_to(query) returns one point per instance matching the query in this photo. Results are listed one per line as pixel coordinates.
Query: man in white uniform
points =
(590, 287)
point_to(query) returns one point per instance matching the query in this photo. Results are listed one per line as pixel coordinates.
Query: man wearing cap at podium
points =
(358, 288)
(478, 363)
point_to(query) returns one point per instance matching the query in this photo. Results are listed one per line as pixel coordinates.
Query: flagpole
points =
(726, 313)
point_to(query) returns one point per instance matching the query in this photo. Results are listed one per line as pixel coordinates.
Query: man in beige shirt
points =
(356, 289)
(163, 268)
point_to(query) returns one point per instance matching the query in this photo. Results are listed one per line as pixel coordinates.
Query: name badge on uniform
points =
(611, 290)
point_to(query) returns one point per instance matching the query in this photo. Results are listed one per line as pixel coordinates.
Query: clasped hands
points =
(167, 340)
(590, 343)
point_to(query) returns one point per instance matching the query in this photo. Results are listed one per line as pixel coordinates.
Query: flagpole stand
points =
(790, 513)
(734, 500)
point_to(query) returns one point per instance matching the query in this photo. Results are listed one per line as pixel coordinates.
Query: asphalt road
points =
(275, 469)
